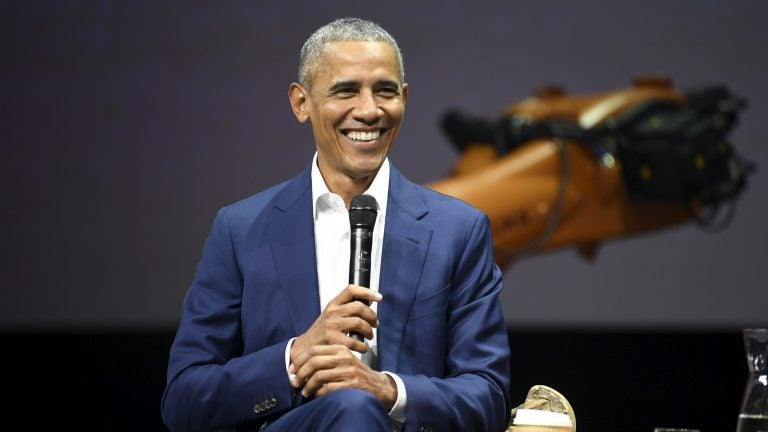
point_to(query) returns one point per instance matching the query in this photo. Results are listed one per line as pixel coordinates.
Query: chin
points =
(366, 166)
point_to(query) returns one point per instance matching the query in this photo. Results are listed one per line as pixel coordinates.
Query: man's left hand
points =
(324, 368)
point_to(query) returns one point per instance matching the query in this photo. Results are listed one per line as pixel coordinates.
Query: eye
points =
(344, 92)
(388, 92)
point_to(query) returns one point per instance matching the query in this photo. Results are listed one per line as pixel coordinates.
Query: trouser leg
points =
(340, 410)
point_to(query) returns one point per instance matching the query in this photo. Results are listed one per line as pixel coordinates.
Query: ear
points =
(405, 93)
(299, 99)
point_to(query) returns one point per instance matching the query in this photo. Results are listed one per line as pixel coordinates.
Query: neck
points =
(346, 187)
(344, 184)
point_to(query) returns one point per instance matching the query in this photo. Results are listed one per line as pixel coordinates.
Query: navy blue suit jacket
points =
(441, 325)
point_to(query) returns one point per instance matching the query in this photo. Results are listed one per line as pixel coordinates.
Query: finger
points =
(344, 369)
(353, 344)
(313, 351)
(355, 292)
(352, 309)
(322, 380)
(360, 326)
(318, 358)
(313, 365)
(339, 335)
(362, 310)
(329, 387)
(363, 293)
(354, 375)
(321, 368)
(332, 323)
(342, 319)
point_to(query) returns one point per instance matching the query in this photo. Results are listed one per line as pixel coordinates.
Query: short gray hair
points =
(342, 30)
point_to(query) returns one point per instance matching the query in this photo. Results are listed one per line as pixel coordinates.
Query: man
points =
(264, 342)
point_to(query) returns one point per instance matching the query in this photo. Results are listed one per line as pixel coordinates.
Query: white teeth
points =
(363, 136)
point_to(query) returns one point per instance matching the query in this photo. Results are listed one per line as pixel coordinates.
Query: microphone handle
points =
(360, 257)
(361, 241)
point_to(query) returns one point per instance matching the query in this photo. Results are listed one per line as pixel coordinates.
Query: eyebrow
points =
(354, 84)
(344, 85)
(387, 84)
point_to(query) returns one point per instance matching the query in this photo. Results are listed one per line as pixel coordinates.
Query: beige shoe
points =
(541, 397)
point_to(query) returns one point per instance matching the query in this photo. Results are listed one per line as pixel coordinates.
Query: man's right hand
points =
(342, 315)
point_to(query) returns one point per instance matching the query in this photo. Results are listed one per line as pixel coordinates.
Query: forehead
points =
(357, 60)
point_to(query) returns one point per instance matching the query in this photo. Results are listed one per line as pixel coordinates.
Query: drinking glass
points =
(753, 416)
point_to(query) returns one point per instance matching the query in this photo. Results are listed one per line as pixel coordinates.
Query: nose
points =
(366, 110)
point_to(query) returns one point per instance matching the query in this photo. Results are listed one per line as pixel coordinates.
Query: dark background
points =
(124, 126)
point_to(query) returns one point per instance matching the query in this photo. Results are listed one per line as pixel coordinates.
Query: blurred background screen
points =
(125, 126)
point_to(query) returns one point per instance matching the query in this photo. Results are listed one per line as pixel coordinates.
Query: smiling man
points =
(265, 337)
(355, 103)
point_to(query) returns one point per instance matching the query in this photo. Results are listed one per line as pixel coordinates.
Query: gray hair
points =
(342, 30)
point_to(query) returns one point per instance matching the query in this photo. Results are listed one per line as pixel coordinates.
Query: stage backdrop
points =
(124, 126)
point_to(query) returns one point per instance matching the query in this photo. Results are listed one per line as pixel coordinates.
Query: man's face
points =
(355, 104)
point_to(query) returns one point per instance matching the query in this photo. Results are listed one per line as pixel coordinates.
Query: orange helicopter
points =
(556, 170)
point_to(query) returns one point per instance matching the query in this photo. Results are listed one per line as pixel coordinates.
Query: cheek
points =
(332, 113)
(395, 111)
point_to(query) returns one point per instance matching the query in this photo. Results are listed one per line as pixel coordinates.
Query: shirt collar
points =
(378, 189)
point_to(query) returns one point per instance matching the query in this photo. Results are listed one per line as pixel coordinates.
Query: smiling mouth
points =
(363, 135)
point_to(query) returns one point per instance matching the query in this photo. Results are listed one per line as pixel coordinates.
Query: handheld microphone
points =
(362, 218)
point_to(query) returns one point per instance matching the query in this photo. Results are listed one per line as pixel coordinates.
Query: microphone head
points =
(363, 211)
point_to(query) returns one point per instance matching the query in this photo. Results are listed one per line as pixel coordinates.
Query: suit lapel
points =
(291, 235)
(406, 241)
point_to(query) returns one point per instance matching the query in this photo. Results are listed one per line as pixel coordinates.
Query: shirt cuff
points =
(288, 360)
(397, 413)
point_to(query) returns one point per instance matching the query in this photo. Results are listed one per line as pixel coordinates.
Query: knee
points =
(356, 407)
(353, 399)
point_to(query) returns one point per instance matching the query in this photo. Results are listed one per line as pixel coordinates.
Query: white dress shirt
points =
(332, 249)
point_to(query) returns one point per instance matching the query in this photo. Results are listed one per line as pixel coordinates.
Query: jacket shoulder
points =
(427, 204)
(241, 214)
(447, 208)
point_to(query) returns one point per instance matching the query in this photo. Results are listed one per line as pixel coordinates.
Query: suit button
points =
(425, 429)
(258, 408)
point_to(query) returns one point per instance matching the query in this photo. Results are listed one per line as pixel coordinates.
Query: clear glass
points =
(753, 416)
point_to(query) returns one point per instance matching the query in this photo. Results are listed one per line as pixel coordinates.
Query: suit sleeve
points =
(474, 393)
(211, 384)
